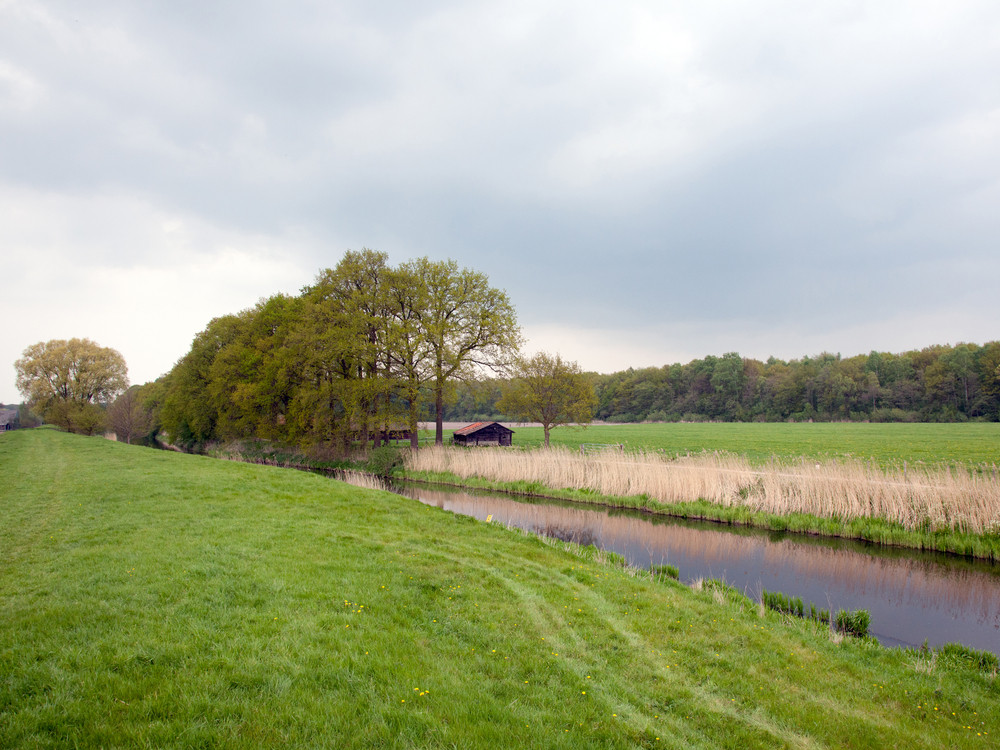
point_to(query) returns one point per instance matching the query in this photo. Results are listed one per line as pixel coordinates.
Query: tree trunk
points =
(439, 413)
(414, 426)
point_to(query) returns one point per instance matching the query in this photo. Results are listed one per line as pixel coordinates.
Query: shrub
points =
(666, 571)
(893, 415)
(981, 660)
(853, 623)
(383, 461)
(623, 418)
(794, 606)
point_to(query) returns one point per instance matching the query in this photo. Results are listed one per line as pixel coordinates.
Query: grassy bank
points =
(163, 600)
(927, 508)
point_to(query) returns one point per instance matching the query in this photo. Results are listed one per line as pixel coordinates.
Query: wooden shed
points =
(483, 433)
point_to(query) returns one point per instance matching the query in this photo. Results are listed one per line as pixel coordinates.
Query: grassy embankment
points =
(162, 600)
(940, 493)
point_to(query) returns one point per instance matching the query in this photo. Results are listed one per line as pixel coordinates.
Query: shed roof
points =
(477, 426)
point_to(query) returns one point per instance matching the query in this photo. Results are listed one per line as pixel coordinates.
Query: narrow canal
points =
(912, 596)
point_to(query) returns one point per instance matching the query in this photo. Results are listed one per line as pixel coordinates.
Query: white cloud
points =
(75, 277)
(19, 90)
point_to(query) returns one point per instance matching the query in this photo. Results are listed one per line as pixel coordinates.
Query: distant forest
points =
(936, 384)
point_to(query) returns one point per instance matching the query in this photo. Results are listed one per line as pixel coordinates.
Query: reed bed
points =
(362, 479)
(914, 497)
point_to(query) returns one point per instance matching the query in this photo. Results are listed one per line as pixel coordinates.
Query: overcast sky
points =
(651, 182)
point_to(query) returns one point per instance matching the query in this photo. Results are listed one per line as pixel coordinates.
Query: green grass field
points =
(152, 599)
(972, 443)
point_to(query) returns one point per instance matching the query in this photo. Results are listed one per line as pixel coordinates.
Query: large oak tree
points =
(468, 325)
(550, 391)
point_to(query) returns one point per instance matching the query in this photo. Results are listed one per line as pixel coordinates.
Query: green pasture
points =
(971, 443)
(152, 599)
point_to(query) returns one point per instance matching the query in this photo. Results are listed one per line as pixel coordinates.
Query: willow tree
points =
(467, 325)
(71, 382)
(550, 391)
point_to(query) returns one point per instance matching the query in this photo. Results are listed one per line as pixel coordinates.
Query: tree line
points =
(356, 357)
(936, 384)
(362, 355)
(368, 350)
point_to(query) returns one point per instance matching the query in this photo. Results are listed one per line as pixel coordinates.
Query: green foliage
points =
(547, 390)
(71, 382)
(189, 413)
(351, 358)
(983, 661)
(26, 417)
(936, 384)
(853, 623)
(382, 462)
(472, 401)
(666, 571)
(466, 323)
(779, 602)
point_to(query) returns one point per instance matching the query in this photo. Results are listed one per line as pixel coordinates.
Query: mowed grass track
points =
(152, 599)
(971, 443)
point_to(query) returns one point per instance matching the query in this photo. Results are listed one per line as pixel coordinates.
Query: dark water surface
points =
(911, 595)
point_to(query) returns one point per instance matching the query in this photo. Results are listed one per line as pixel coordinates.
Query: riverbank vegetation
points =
(925, 508)
(919, 486)
(158, 599)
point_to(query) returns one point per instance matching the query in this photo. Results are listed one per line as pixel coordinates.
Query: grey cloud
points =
(733, 164)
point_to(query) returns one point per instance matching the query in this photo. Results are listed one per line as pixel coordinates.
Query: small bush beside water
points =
(780, 603)
(853, 623)
(665, 571)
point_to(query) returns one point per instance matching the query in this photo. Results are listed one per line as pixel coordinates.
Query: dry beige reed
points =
(363, 480)
(960, 500)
